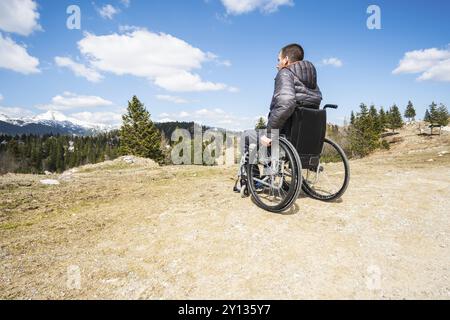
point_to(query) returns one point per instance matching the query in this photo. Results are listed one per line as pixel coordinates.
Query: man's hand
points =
(266, 141)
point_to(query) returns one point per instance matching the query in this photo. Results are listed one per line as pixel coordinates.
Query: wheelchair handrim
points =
(312, 193)
(293, 193)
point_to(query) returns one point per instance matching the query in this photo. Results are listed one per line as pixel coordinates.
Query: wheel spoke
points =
(331, 179)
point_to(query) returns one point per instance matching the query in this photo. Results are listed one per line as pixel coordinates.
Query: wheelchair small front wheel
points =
(244, 191)
(329, 180)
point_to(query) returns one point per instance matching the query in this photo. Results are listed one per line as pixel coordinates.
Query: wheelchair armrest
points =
(331, 106)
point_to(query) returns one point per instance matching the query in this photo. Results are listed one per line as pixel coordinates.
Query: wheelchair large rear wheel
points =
(276, 186)
(329, 180)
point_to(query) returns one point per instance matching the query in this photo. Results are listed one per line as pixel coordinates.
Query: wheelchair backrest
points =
(306, 130)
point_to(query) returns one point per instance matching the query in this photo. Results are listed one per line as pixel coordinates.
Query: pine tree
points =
(60, 165)
(443, 115)
(261, 124)
(52, 151)
(383, 119)
(410, 112)
(90, 151)
(138, 134)
(434, 116)
(363, 110)
(427, 117)
(375, 119)
(363, 135)
(36, 157)
(352, 118)
(395, 118)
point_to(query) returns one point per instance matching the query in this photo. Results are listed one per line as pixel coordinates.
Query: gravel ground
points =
(139, 231)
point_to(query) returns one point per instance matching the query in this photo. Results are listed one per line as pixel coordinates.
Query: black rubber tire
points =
(293, 194)
(310, 192)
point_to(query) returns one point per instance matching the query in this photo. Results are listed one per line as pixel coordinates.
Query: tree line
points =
(55, 153)
(437, 116)
(369, 125)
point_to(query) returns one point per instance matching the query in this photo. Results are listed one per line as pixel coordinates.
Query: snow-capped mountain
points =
(50, 122)
(51, 117)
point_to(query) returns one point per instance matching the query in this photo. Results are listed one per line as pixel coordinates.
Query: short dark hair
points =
(293, 51)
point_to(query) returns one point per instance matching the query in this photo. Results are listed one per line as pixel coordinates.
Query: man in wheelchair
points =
(295, 85)
(295, 140)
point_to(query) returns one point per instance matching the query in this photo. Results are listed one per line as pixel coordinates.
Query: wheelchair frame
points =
(303, 155)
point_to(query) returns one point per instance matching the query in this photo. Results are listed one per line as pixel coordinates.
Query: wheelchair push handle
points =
(330, 106)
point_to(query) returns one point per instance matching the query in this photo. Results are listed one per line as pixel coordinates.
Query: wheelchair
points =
(305, 161)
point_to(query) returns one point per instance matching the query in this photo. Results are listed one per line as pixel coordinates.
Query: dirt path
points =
(179, 232)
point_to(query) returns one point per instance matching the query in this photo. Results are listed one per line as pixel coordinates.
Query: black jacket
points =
(295, 85)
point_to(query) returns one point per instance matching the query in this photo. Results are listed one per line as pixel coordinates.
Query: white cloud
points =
(108, 11)
(79, 69)
(19, 16)
(215, 117)
(15, 57)
(214, 57)
(69, 100)
(421, 60)
(226, 63)
(236, 7)
(127, 28)
(16, 112)
(433, 64)
(13, 112)
(126, 3)
(104, 118)
(439, 72)
(166, 120)
(169, 98)
(335, 62)
(161, 58)
(183, 81)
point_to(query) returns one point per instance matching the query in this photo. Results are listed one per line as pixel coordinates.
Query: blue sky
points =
(213, 61)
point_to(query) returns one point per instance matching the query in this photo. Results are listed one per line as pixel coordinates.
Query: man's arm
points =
(283, 100)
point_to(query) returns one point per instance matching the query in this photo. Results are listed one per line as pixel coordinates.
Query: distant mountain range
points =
(51, 122)
(55, 122)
